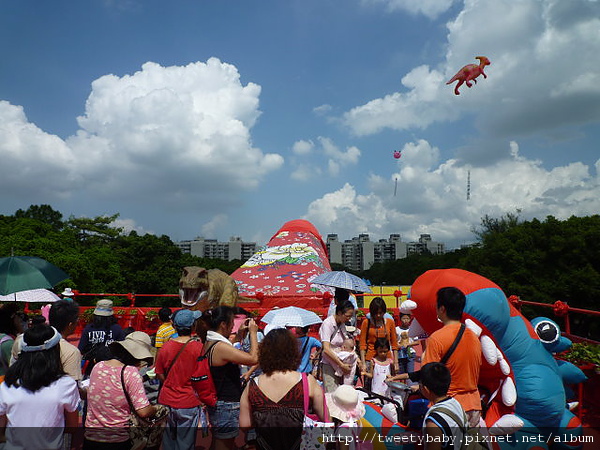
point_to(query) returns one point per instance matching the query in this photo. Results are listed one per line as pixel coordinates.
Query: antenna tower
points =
(468, 185)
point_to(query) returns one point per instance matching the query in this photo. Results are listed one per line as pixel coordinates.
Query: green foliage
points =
(98, 257)
(42, 213)
(583, 353)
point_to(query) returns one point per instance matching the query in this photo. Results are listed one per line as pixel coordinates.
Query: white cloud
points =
(431, 196)
(322, 110)
(173, 136)
(336, 159)
(129, 225)
(303, 147)
(306, 172)
(212, 227)
(544, 72)
(33, 161)
(429, 8)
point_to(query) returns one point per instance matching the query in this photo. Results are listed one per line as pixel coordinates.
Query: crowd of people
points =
(264, 384)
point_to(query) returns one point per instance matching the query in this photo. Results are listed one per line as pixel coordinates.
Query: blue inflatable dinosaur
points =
(524, 385)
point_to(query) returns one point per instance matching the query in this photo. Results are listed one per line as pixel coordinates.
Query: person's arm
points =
(362, 342)
(334, 357)
(369, 373)
(317, 399)
(399, 377)
(245, 411)
(389, 323)
(71, 420)
(146, 411)
(246, 376)
(2, 428)
(433, 436)
(225, 353)
(135, 390)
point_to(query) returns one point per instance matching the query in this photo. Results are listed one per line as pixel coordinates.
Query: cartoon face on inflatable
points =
(522, 382)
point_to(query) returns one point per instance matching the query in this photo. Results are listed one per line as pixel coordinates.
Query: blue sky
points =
(229, 118)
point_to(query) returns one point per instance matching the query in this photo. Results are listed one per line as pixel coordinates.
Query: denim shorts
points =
(224, 419)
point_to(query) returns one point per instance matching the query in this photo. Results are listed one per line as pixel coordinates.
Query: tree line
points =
(100, 257)
(538, 260)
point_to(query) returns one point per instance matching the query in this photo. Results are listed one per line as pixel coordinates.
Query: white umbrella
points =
(291, 316)
(343, 280)
(32, 296)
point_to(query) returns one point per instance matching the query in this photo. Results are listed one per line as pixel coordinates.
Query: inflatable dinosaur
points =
(524, 384)
(202, 289)
(469, 73)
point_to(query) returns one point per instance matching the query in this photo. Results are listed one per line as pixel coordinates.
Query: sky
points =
(229, 118)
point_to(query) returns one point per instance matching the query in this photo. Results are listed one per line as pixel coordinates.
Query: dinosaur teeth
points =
(473, 327)
(572, 405)
(489, 350)
(504, 366)
(509, 392)
(507, 424)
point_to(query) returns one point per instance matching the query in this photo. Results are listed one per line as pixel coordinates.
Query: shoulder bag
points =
(145, 432)
(313, 431)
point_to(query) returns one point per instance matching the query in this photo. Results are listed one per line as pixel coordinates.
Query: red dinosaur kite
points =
(470, 72)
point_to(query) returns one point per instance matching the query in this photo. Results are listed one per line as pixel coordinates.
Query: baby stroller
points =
(380, 428)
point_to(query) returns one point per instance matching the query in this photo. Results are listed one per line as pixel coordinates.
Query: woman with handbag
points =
(37, 397)
(273, 402)
(116, 387)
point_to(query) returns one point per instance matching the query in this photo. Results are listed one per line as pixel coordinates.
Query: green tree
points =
(42, 213)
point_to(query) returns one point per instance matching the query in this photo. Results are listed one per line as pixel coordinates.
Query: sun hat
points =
(345, 404)
(185, 318)
(68, 292)
(138, 344)
(48, 343)
(104, 307)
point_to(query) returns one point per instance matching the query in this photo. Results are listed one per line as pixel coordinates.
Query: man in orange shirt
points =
(465, 362)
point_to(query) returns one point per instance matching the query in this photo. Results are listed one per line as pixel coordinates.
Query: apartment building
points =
(235, 248)
(360, 253)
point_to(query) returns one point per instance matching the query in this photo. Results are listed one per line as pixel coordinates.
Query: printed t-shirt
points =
(91, 336)
(108, 409)
(177, 391)
(367, 342)
(42, 413)
(164, 333)
(464, 364)
(306, 343)
(333, 333)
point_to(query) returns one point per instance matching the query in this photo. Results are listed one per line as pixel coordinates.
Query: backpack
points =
(472, 437)
(202, 381)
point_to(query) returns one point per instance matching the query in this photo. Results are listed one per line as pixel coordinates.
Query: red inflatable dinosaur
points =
(470, 72)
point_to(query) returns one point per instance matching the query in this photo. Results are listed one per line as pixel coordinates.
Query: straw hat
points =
(68, 292)
(104, 307)
(345, 404)
(138, 344)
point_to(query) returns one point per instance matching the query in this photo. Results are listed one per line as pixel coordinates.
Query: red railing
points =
(588, 393)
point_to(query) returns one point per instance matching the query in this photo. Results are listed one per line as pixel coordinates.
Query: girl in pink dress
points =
(381, 367)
